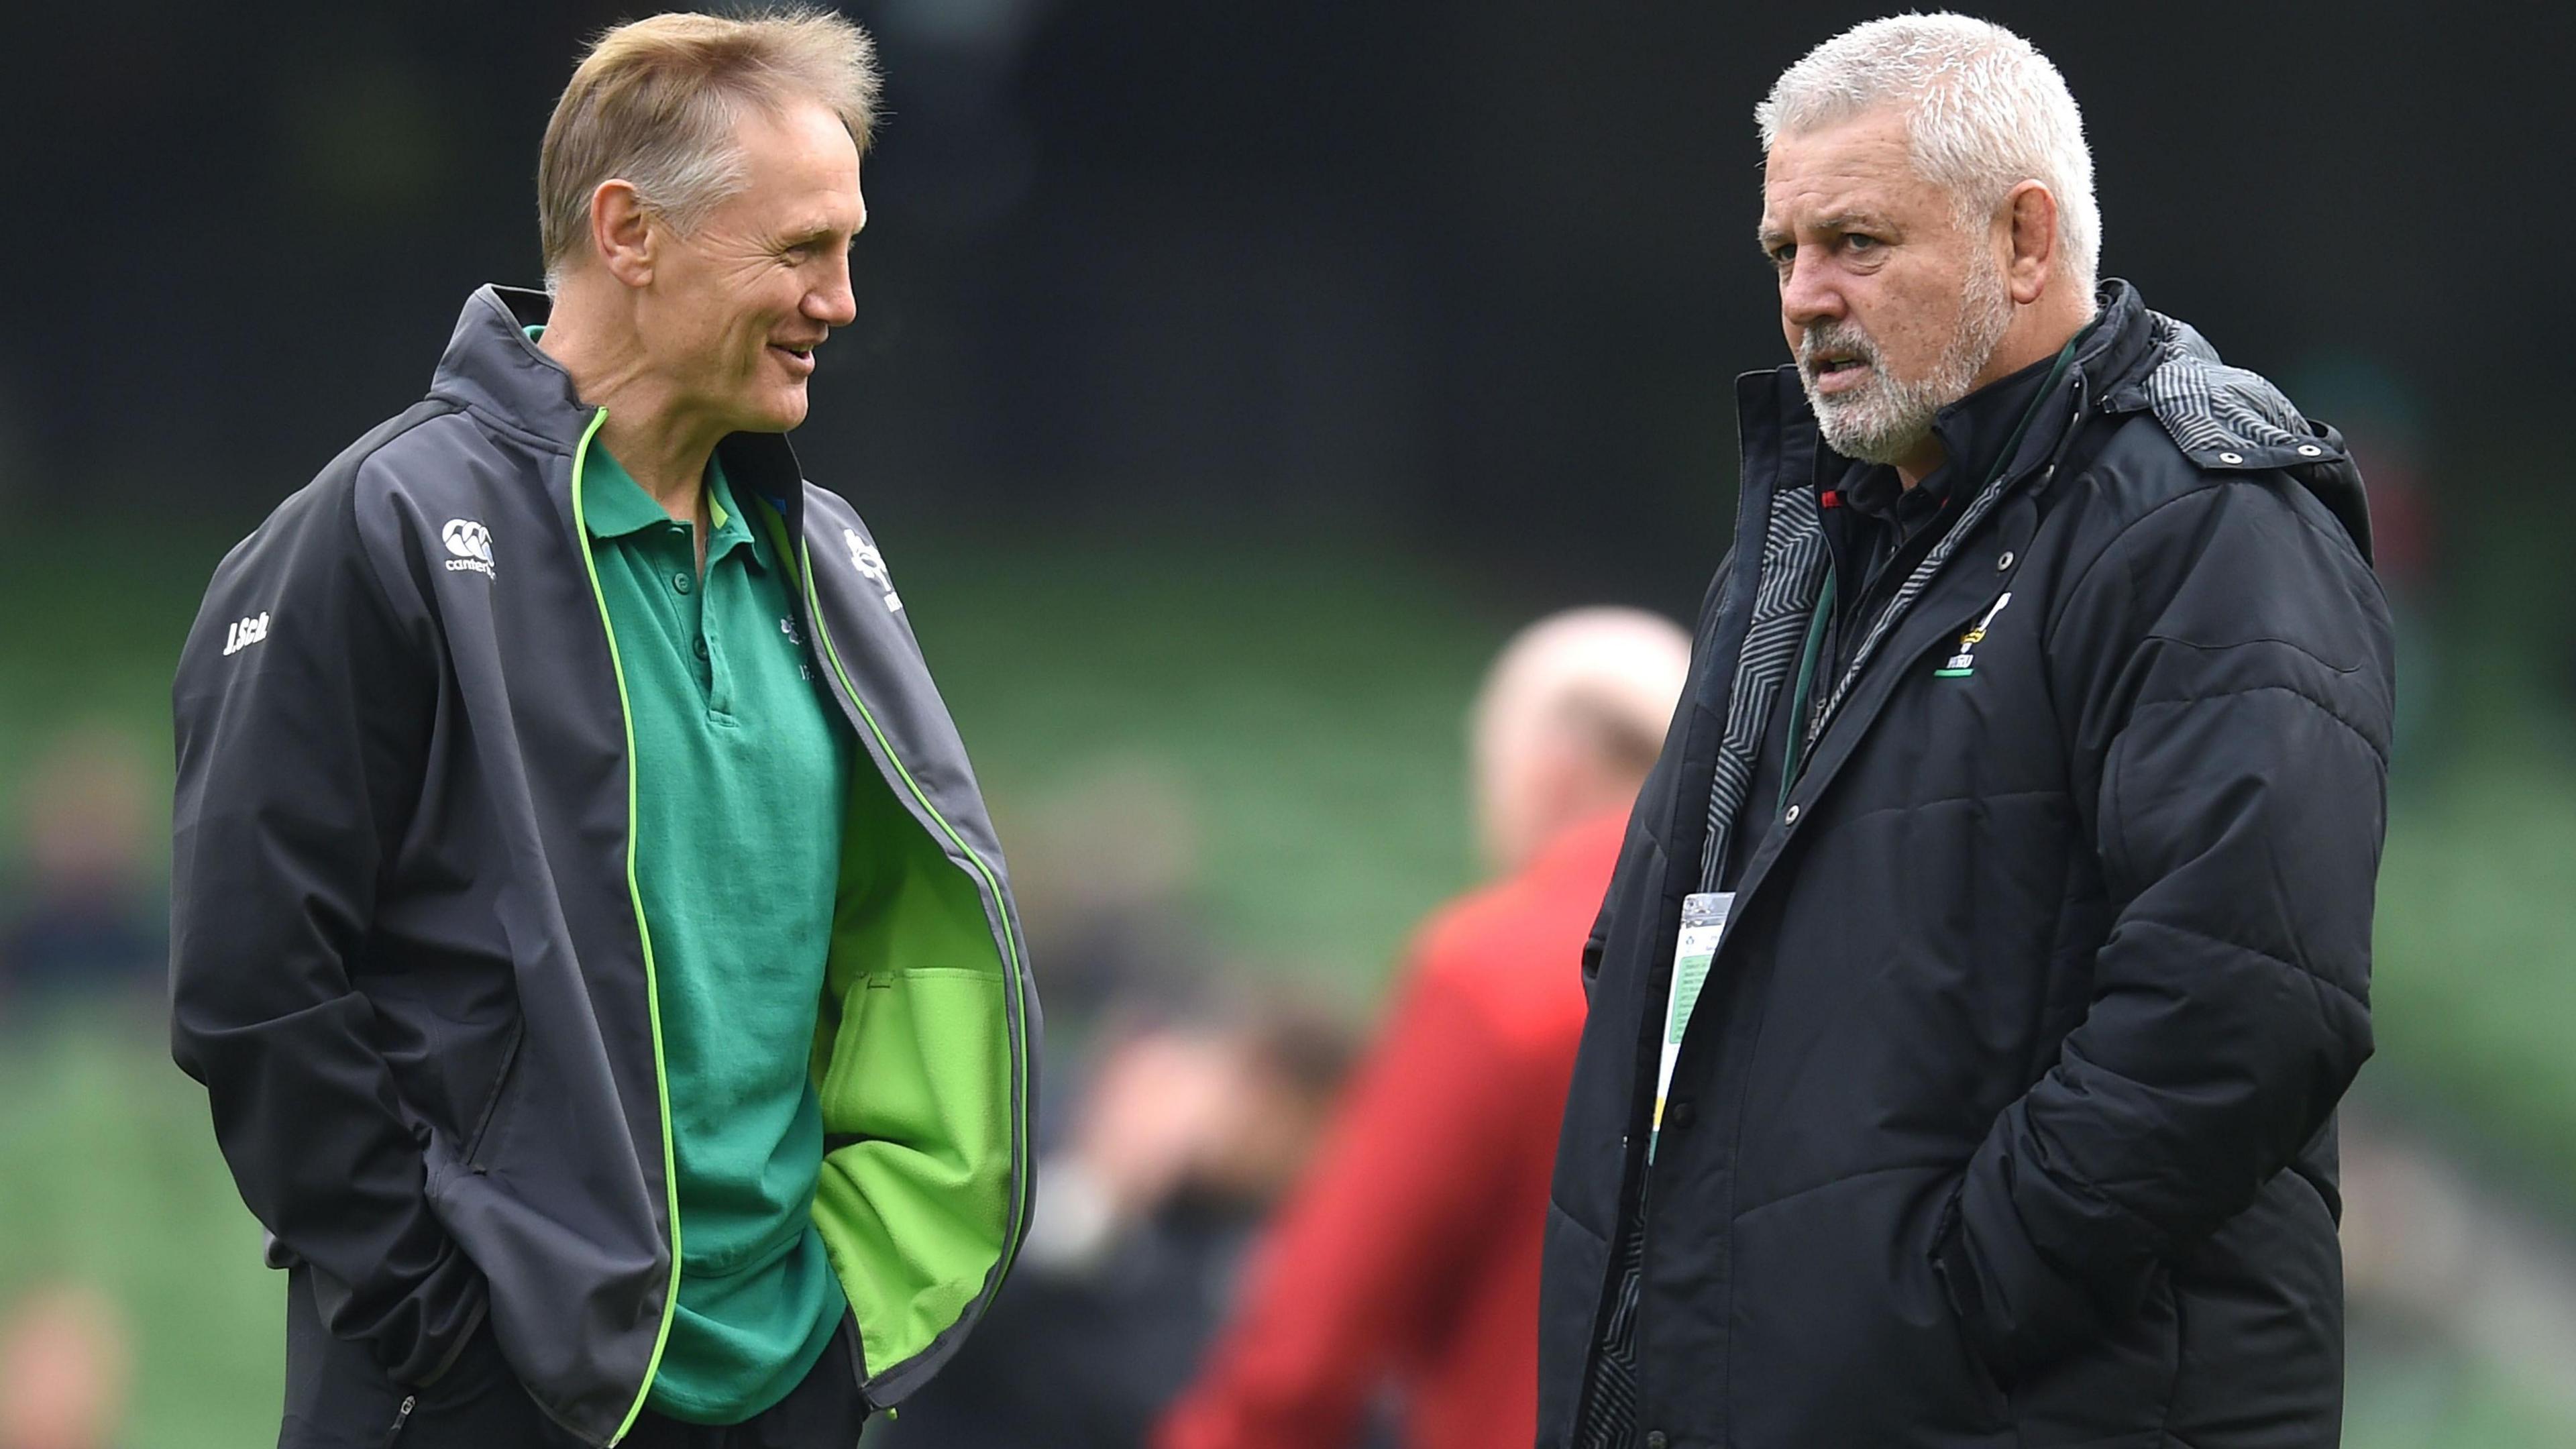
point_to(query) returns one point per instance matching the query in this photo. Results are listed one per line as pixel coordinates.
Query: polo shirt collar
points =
(615, 505)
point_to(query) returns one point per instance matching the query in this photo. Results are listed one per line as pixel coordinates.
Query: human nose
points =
(833, 303)
(1808, 293)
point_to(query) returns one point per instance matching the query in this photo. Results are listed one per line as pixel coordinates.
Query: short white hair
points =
(1987, 112)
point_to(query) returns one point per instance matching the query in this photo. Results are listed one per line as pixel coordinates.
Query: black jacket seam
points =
(2377, 751)
(2205, 485)
(2321, 661)
(357, 471)
(1944, 1165)
(2275, 957)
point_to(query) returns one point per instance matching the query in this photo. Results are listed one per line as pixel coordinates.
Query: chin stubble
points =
(1884, 419)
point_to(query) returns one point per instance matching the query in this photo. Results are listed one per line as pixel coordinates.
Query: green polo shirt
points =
(742, 774)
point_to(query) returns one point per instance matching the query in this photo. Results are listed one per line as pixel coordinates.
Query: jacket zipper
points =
(402, 1416)
(635, 897)
(1014, 968)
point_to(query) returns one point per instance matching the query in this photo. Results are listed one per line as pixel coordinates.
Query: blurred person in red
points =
(64, 1366)
(1409, 1256)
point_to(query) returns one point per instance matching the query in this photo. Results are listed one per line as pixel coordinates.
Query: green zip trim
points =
(1793, 753)
(635, 896)
(992, 883)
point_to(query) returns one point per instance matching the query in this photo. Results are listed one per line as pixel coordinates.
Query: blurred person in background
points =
(1198, 1116)
(588, 929)
(65, 1363)
(1103, 865)
(84, 917)
(1977, 986)
(1408, 1260)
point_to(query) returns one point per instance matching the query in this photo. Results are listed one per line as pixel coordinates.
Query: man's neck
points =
(663, 446)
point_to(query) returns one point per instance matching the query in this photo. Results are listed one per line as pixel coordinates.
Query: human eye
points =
(1861, 243)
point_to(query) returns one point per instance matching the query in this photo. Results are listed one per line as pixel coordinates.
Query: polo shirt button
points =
(702, 649)
(1682, 1114)
(683, 582)
(1656, 1440)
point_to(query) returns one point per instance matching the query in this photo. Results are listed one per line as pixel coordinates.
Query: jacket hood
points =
(2223, 418)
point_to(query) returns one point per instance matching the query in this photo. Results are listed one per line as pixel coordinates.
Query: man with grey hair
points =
(586, 925)
(1991, 945)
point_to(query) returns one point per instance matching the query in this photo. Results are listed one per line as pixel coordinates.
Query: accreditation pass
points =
(1703, 921)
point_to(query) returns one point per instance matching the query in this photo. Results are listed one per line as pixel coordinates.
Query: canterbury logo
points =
(471, 542)
(871, 566)
(244, 633)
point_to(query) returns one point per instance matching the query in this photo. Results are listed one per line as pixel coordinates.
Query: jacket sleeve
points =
(300, 736)
(2225, 666)
(1369, 1249)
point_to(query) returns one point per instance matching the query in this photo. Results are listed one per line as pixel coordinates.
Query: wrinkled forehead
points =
(1862, 166)
(799, 159)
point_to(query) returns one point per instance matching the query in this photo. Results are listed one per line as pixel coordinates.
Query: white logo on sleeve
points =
(244, 633)
(871, 566)
(471, 542)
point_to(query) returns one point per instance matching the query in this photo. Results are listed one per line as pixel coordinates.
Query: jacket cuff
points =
(418, 1336)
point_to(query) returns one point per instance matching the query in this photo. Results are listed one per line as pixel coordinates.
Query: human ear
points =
(622, 232)
(2031, 215)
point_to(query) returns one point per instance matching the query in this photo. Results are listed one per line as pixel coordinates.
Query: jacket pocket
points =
(1840, 1332)
(2092, 1381)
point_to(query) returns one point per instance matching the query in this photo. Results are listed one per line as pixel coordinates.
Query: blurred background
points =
(1230, 381)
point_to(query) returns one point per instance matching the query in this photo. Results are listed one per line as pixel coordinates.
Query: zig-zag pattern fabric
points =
(2208, 406)
(1784, 600)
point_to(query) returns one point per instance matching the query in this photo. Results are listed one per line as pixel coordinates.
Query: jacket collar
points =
(2118, 346)
(493, 369)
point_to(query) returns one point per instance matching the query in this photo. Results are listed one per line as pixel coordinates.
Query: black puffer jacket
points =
(2006, 1116)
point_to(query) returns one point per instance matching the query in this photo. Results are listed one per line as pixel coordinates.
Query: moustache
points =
(1833, 342)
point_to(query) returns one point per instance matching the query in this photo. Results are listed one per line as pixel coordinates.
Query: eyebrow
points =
(1768, 236)
(820, 234)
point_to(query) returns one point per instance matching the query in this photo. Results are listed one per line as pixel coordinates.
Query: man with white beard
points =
(1990, 946)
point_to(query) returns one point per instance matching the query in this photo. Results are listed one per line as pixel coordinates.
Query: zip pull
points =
(402, 1416)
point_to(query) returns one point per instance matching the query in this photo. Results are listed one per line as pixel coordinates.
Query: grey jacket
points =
(408, 961)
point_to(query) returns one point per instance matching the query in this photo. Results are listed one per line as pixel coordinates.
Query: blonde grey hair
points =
(654, 103)
(1608, 674)
(1986, 112)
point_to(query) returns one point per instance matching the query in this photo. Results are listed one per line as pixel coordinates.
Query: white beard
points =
(1884, 419)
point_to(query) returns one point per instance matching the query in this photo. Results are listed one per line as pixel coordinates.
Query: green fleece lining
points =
(920, 996)
(914, 1080)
